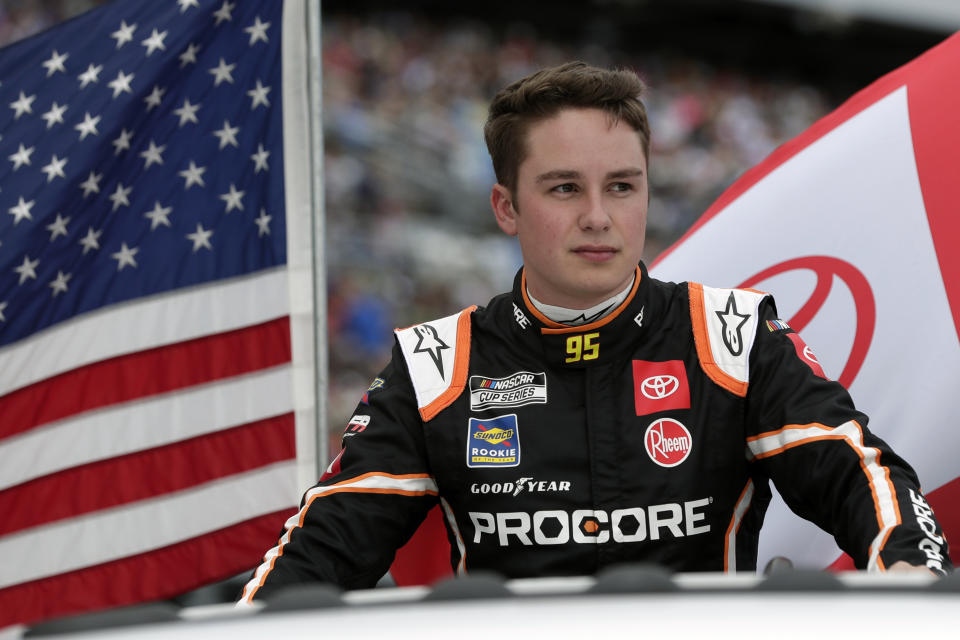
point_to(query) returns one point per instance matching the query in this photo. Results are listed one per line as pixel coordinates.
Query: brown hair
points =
(548, 91)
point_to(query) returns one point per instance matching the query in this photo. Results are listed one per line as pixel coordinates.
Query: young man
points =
(594, 415)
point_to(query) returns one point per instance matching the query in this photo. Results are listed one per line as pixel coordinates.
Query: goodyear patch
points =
(494, 442)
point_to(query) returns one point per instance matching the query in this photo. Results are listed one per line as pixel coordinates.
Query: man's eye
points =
(564, 188)
(621, 186)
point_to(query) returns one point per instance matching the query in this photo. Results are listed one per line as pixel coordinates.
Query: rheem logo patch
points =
(667, 442)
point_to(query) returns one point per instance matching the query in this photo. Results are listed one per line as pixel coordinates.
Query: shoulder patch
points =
(724, 328)
(437, 355)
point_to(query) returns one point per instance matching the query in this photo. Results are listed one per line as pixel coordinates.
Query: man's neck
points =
(577, 317)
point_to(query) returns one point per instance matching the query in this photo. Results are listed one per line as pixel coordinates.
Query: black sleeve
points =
(806, 435)
(369, 502)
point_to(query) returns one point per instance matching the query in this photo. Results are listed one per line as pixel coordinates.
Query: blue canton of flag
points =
(139, 153)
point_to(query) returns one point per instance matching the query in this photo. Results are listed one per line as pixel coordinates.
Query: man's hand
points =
(903, 565)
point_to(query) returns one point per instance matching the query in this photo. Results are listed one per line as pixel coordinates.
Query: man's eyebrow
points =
(632, 172)
(570, 174)
(558, 174)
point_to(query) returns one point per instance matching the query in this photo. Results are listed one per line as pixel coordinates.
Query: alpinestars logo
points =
(732, 323)
(428, 341)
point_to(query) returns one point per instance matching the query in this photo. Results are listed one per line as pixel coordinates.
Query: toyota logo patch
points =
(659, 387)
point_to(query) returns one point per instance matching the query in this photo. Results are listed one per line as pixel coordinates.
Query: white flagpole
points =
(318, 217)
(303, 165)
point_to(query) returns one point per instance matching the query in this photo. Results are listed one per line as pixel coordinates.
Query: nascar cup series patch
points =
(515, 390)
(494, 442)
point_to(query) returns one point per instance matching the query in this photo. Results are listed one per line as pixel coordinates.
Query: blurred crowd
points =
(22, 18)
(407, 176)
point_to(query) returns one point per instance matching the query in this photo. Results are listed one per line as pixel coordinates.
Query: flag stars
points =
(21, 211)
(186, 4)
(224, 13)
(257, 31)
(21, 157)
(258, 95)
(3, 306)
(55, 168)
(88, 127)
(59, 284)
(260, 159)
(55, 63)
(154, 42)
(22, 105)
(54, 115)
(189, 56)
(263, 223)
(126, 257)
(187, 112)
(152, 154)
(120, 196)
(122, 142)
(58, 227)
(91, 241)
(227, 135)
(222, 72)
(153, 100)
(92, 74)
(124, 34)
(233, 198)
(91, 184)
(28, 269)
(121, 84)
(159, 215)
(200, 238)
(192, 175)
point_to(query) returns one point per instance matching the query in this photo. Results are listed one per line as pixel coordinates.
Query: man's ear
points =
(503, 210)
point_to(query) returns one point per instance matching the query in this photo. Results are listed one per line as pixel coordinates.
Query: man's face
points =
(579, 209)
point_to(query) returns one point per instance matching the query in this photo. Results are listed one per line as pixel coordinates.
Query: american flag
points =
(147, 412)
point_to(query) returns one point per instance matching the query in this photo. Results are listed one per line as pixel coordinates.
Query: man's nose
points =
(594, 215)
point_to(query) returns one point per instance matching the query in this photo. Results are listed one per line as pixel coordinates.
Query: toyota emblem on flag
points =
(826, 268)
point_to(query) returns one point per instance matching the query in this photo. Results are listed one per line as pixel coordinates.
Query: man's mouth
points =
(595, 253)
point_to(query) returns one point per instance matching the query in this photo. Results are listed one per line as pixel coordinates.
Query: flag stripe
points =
(428, 556)
(131, 529)
(932, 102)
(158, 574)
(146, 373)
(156, 422)
(147, 474)
(857, 103)
(159, 320)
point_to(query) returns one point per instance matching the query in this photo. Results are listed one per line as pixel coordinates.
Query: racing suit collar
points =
(585, 345)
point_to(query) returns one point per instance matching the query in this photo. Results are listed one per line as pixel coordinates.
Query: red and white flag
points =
(852, 226)
(156, 394)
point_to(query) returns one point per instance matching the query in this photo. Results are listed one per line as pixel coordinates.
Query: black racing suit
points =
(647, 436)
